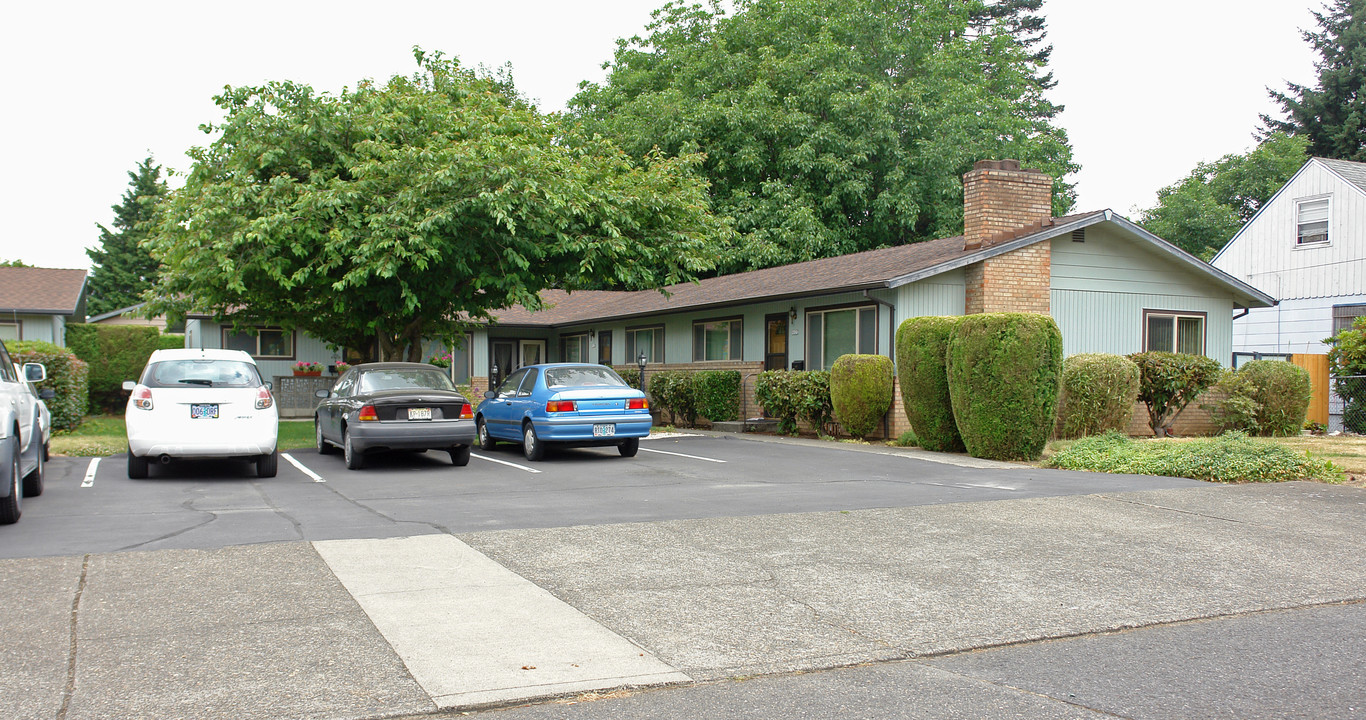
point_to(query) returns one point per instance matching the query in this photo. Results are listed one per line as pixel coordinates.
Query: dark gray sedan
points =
(394, 406)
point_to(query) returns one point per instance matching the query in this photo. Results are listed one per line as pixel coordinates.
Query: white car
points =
(44, 415)
(201, 404)
(21, 449)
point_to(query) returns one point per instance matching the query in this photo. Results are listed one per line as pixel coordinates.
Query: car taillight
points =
(263, 398)
(142, 397)
(466, 411)
(368, 413)
(560, 406)
(637, 404)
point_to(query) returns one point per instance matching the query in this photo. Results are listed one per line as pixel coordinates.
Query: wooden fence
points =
(1317, 365)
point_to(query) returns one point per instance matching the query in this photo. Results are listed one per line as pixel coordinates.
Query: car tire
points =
(137, 466)
(629, 448)
(33, 482)
(324, 447)
(354, 458)
(10, 506)
(532, 447)
(460, 455)
(267, 465)
(486, 441)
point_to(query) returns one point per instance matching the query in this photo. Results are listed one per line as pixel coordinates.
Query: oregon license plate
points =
(604, 430)
(419, 413)
(204, 411)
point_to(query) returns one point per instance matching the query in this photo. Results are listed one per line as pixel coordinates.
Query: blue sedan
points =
(569, 404)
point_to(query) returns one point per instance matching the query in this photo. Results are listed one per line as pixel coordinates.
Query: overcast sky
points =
(1150, 88)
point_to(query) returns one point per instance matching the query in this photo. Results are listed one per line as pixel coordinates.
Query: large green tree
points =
(1203, 211)
(409, 209)
(1331, 115)
(123, 269)
(832, 126)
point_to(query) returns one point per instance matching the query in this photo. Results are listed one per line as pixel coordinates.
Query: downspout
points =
(891, 353)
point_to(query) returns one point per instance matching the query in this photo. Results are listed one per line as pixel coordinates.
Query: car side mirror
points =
(270, 385)
(489, 394)
(35, 372)
(129, 384)
(47, 394)
(321, 394)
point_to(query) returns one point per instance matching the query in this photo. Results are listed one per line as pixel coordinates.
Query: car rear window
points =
(595, 376)
(201, 373)
(377, 380)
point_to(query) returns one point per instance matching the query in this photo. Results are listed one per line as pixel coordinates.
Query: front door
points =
(775, 342)
(504, 353)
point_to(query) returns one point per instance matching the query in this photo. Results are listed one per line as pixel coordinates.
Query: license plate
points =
(419, 413)
(604, 430)
(203, 411)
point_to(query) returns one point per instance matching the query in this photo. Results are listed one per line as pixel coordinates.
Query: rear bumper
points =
(580, 429)
(408, 435)
(201, 442)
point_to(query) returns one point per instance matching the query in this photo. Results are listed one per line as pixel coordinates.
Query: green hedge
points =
(67, 375)
(1231, 457)
(921, 344)
(791, 395)
(170, 341)
(1168, 382)
(687, 394)
(674, 391)
(861, 391)
(1004, 370)
(1098, 394)
(1263, 397)
(115, 353)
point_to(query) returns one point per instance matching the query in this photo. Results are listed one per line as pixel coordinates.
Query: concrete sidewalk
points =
(374, 628)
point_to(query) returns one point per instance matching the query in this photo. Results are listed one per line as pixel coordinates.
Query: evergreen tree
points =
(123, 270)
(1333, 115)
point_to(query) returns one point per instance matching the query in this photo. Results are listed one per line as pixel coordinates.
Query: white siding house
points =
(1307, 248)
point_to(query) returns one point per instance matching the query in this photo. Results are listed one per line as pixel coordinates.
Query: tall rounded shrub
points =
(861, 391)
(920, 347)
(1098, 394)
(1004, 370)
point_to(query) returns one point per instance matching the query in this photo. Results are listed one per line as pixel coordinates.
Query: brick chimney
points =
(1001, 201)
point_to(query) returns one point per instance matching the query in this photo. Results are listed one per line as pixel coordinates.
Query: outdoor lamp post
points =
(493, 379)
(640, 361)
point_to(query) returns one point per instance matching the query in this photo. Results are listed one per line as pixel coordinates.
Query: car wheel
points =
(267, 465)
(460, 455)
(531, 445)
(137, 466)
(354, 458)
(33, 482)
(9, 507)
(486, 441)
(324, 447)
(629, 448)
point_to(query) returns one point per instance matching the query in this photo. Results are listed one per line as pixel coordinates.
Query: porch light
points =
(793, 313)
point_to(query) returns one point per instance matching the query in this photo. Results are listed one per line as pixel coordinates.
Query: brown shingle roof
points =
(845, 273)
(40, 290)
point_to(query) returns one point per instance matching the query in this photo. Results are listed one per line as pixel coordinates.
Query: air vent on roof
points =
(1079, 235)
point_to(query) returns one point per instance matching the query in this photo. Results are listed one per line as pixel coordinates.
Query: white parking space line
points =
(89, 480)
(690, 457)
(504, 462)
(316, 477)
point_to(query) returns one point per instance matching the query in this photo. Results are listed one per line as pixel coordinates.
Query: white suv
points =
(201, 404)
(21, 437)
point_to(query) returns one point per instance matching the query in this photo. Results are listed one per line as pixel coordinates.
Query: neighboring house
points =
(1112, 287)
(1306, 247)
(37, 303)
(129, 316)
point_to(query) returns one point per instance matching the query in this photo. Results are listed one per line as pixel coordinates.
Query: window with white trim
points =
(1311, 221)
(261, 343)
(1179, 332)
(648, 340)
(839, 331)
(717, 340)
(574, 348)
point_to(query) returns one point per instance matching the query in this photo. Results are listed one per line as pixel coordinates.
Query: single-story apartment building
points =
(37, 303)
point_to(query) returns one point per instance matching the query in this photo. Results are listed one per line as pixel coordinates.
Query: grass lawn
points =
(104, 435)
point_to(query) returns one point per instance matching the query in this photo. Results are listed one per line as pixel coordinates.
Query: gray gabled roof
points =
(1352, 172)
(41, 291)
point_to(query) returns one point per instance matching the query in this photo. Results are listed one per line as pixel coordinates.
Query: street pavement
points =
(1187, 601)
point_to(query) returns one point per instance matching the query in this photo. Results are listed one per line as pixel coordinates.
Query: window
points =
(1174, 332)
(1311, 221)
(266, 343)
(574, 348)
(718, 340)
(832, 333)
(605, 347)
(645, 340)
(9, 331)
(1345, 315)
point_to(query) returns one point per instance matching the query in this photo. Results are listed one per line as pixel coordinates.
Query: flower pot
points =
(308, 373)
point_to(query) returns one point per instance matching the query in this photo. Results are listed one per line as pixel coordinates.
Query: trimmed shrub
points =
(792, 395)
(921, 344)
(1004, 370)
(674, 391)
(1264, 397)
(1098, 394)
(861, 391)
(1168, 382)
(1231, 457)
(717, 394)
(114, 353)
(67, 375)
(631, 375)
(170, 341)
